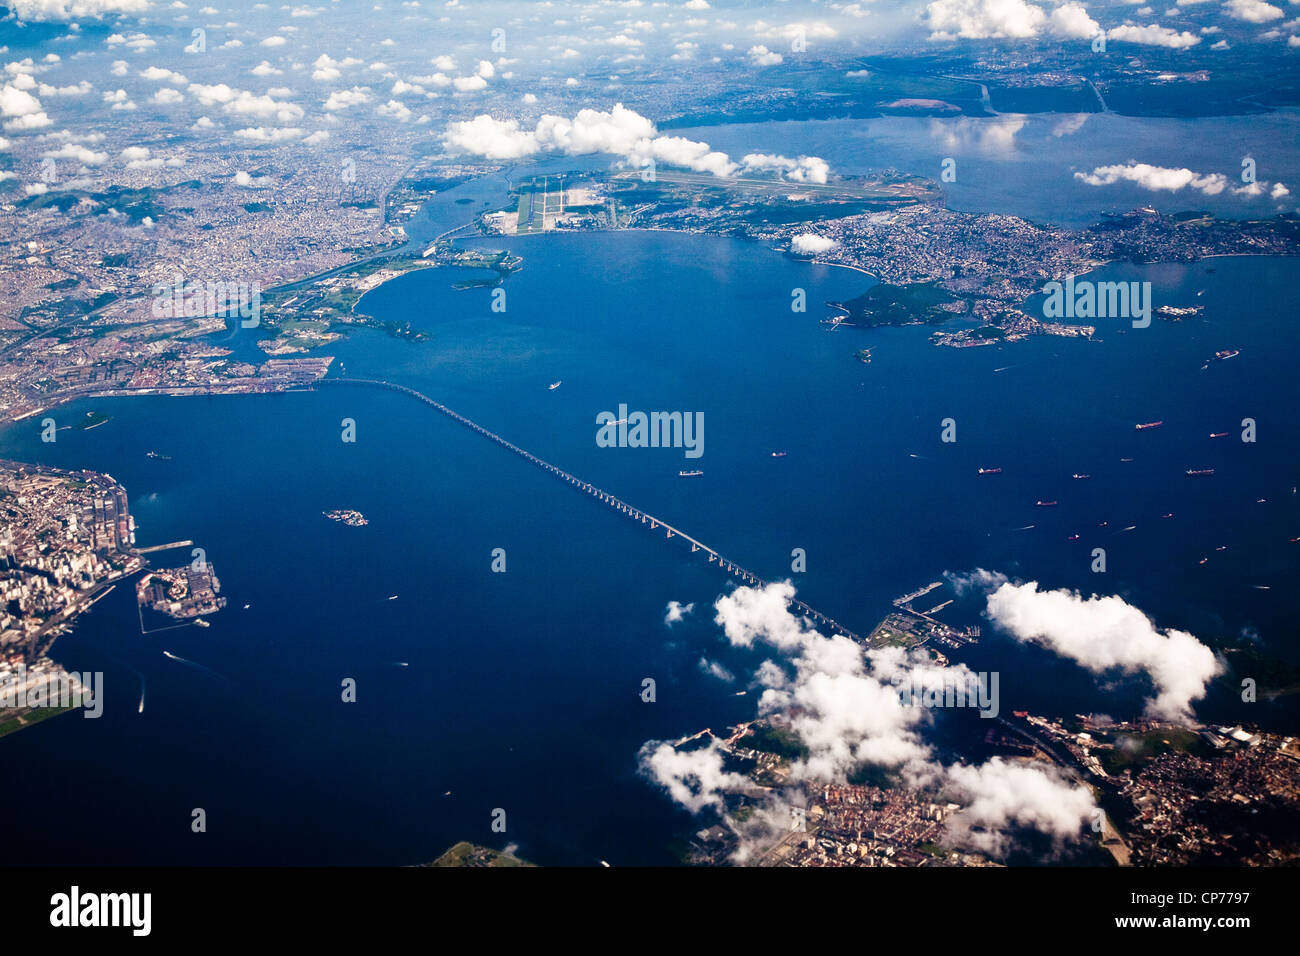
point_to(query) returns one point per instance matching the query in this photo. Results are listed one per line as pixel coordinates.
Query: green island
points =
(465, 854)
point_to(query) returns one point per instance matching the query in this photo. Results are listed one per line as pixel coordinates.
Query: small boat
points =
(779, 454)
(392, 597)
(990, 471)
(1222, 547)
(689, 474)
(1126, 459)
(1170, 515)
(554, 385)
(1218, 434)
(201, 623)
(1080, 477)
(1203, 560)
(1102, 524)
(1131, 527)
(1199, 472)
(247, 606)
(1260, 501)
(1145, 425)
(1073, 537)
(1044, 504)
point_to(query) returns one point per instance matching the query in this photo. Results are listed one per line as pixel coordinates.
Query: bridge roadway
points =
(633, 512)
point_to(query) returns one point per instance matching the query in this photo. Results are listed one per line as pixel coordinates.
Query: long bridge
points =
(636, 514)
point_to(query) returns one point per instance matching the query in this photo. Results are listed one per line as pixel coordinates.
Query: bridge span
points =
(605, 497)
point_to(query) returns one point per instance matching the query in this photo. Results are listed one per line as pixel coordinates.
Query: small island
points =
(465, 854)
(353, 519)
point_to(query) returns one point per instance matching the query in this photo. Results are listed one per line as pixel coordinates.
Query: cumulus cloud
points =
(74, 9)
(844, 705)
(804, 169)
(762, 56)
(694, 779)
(1153, 35)
(264, 134)
(997, 794)
(160, 75)
(810, 244)
(21, 110)
(1159, 178)
(1253, 11)
(999, 19)
(677, 612)
(78, 153)
(342, 99)
(620, 131)
(1104, 634)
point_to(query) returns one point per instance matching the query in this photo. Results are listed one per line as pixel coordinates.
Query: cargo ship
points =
(1145, 425)
(1199, 472)
(690, 474)
(1226, 354)
(990, 471)
(553, 386)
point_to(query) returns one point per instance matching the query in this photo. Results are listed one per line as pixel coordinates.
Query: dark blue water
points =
(521, 689)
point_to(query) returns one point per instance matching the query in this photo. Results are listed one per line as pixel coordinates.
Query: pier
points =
(623, 507)
(164, 547)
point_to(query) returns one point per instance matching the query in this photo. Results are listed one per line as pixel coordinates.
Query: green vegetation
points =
(774, 740)
(31, 719)
(1132, 750)
(885, 304)
(92, 419)
(469, 855)
(257, 206)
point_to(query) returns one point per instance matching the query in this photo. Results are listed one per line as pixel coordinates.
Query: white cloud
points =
(1158, 178)
(677, 612)
(21, 110)
(395, 110)
(620, 131)
(1153, 35)
(805, 169)
(1017, 19)
(274, 41)
(160, 75)
(998, 793)
(694, 779)
(810, 244)
(268, 134)
(79, 154)
(762, 56)
(74, 9)
(1105, 634)
(844, 706)
(342, 99)
(1253, 11)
